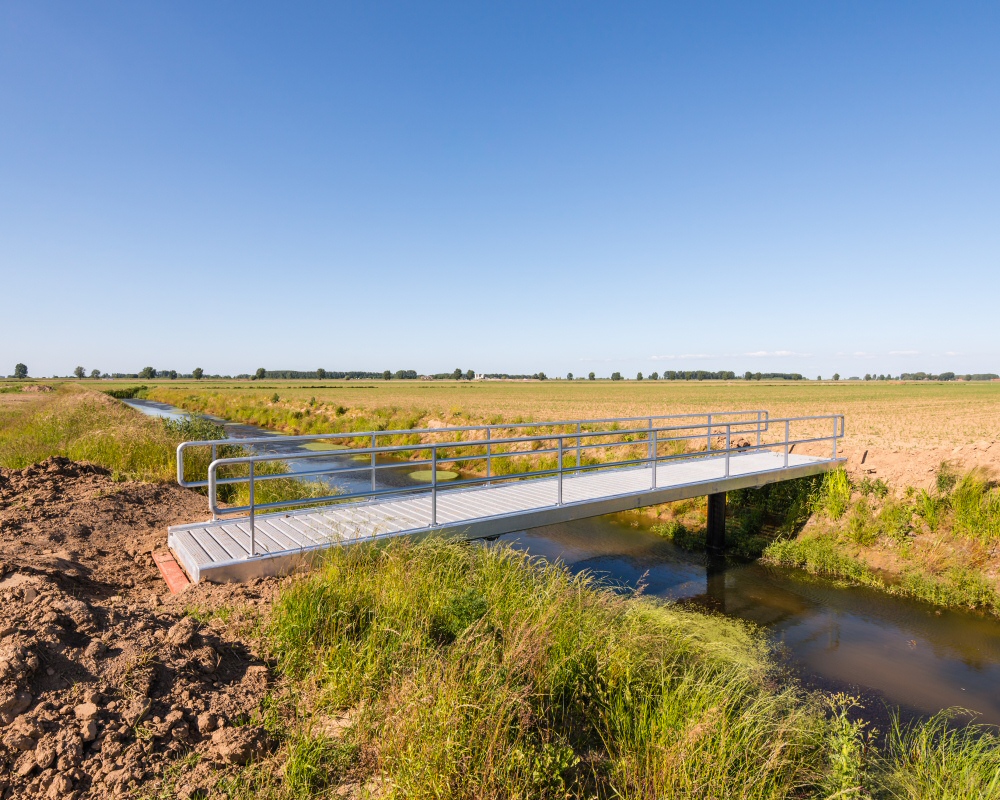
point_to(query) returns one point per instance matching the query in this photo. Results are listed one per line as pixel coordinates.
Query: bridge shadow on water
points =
(891, 652)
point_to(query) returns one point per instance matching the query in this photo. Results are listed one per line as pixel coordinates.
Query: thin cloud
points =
(904, 352)
(776, 354)
(682, 356)
(952, 353)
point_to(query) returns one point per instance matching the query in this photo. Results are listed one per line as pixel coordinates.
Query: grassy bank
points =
(85, 426)
(91, 426)
(451, 671)
(935, 545)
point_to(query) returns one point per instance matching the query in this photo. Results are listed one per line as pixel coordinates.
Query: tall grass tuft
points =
(834, 494)
(935, 760)
(470, 661)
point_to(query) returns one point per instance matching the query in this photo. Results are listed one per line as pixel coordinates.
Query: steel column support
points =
(716, 538)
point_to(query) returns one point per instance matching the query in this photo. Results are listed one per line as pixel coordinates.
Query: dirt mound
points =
(104, 681)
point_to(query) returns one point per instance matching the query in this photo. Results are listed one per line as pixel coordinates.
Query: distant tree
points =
(172, 374)
(654, 376)
(819, 377)
(387, 375)
(638, 376)
(259, 374)
(868, 376)
(569, 376)
(95, 374)
(616, 376)
(147, 372)
(757, 376)
(197, 373)
(541, 376)
(79, 372)
(469, 374)
(836, 376)
(748, 375)
(590, 376)
(457, 375)
(20, 371)
(321, 373)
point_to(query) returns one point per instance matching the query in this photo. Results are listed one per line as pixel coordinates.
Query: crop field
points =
(879, 414)
(901, 430)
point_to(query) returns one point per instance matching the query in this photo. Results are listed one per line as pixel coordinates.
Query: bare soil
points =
(108, 686)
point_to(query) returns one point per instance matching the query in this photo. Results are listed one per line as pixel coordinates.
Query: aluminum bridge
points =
(287, 498)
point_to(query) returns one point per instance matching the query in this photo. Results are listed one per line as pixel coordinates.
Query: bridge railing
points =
(489, 459)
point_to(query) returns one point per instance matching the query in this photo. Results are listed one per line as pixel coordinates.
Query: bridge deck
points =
(218, 550)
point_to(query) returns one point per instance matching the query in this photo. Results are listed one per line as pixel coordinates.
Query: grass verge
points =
(452, 671)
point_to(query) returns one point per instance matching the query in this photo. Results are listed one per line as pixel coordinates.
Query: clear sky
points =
(799, 186)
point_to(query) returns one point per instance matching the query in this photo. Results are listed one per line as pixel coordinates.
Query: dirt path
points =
(107, 686)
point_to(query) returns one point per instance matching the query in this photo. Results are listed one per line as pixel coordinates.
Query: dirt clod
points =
(106, 682)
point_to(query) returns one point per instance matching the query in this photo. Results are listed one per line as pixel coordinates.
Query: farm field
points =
(902, 431)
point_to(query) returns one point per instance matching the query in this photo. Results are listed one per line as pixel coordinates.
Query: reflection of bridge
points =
(512, 477)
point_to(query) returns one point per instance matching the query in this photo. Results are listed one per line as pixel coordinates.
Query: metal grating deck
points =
(218, 550)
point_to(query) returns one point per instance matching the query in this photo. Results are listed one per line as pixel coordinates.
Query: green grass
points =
(824, 555)
(90, 426)
(475, 672)
(86, 426)
(472, 662)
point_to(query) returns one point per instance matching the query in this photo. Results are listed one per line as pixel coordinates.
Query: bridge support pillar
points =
(716, 538)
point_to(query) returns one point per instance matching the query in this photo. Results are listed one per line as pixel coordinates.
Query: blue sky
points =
(505, 187)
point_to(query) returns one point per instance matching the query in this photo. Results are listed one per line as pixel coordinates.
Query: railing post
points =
(655, 455)
(649, 437)
(434, 487)
(374, 435)
(489, 455)
(758, 430)
(708, 438)
(729, 439)
(834, 438)
(212, 502)
(253, 530)
(560, 475)
(786, 442)
(579, 449)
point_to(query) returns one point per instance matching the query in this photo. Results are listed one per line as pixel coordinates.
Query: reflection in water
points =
(911, 654)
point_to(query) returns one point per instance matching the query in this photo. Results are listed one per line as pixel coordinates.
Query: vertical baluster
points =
(655, 456)
(253, 530)
(579, 449)
(560, 474)
(434, 487)
(489, 456)
(729, 439)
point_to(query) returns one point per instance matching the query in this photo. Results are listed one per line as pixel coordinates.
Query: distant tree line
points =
(948, 376)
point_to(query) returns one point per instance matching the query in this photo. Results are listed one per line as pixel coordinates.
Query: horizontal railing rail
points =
(759, 420)
(568, 447)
